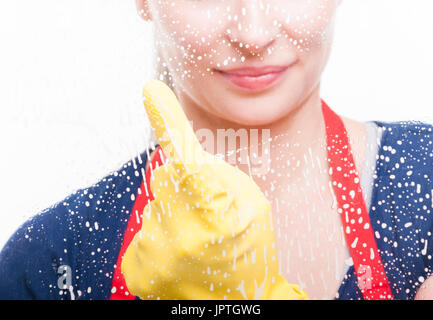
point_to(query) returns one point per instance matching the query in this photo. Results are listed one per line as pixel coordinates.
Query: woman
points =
(266, 57)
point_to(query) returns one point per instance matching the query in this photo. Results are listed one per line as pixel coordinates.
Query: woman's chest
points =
(311, 246)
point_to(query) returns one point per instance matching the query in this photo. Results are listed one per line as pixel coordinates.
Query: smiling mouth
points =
(253, 79)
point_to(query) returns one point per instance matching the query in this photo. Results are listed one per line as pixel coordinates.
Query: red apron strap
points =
(119, 291)
(358, 231)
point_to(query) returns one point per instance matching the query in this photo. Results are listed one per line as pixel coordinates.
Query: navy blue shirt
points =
(80, 237)
(401, 209)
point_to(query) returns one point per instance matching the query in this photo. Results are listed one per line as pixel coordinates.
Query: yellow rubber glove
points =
(207, 233)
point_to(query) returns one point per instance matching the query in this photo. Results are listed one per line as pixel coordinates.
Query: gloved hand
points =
(207, 233)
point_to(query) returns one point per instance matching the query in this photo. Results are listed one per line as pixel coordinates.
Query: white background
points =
(71, 74)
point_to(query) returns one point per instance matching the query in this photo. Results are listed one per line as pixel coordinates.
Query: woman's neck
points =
(299, 134)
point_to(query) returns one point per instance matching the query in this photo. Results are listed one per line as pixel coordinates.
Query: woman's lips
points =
(252, 82)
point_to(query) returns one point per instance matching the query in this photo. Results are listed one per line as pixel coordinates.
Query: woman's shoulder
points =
(109, 198)
(410, 130)
(409, 142)
(405, 161)
(405, 155)
(90, 222)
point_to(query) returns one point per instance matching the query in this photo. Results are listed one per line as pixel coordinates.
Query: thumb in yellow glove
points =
(207, 233)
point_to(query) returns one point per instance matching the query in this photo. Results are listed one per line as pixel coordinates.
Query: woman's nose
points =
(252, 27)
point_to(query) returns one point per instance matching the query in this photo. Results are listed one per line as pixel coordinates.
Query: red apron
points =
(372, 279)
(358, 231)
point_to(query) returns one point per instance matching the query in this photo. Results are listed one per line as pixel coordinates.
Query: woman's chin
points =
(252, 118)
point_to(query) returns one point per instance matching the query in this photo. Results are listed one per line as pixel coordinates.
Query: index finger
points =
(171, 126)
